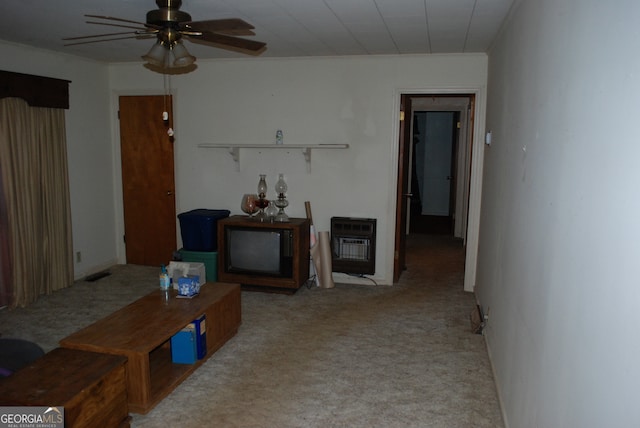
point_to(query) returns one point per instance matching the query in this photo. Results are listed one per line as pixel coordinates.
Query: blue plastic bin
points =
(199, 229)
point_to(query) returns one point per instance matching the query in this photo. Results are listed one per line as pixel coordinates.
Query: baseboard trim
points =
(80, 275)
(495, 381)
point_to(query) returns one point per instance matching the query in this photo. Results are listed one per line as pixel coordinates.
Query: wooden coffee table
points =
(142, 332)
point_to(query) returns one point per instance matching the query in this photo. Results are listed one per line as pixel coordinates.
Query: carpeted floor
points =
(351, 356)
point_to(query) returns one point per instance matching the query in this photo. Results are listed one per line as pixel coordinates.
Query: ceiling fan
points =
(169, 25)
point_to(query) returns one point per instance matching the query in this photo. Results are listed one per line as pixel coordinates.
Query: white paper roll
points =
(326, 267)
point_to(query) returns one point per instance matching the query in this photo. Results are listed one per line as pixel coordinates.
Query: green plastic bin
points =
(209, 258)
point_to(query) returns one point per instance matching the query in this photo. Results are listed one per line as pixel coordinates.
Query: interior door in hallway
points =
(148, 185)
(437, 163)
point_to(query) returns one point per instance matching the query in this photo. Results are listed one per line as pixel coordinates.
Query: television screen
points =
(254, 250)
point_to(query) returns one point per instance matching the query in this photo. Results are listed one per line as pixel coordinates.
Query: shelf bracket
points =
(235, 154)
(306, 152)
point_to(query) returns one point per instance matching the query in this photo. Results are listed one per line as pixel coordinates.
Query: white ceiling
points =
(291, 28)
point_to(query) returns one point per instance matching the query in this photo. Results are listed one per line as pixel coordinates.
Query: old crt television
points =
(259, 251)
(265, 254)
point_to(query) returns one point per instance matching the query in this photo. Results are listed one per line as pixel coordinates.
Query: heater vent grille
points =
(353, 248)
(353, 244)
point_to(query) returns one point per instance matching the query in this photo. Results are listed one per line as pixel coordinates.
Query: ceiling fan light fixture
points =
(168, 55)
(156, 55)
(182, 57)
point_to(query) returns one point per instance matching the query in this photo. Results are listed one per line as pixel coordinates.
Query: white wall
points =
(559, 236)
(89, 149)
(350, 100)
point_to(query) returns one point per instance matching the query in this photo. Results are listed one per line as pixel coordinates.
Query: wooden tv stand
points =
(142, 332)
(300, 255)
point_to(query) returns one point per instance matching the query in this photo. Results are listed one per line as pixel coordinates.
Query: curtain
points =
(5, 254)
(33, 163)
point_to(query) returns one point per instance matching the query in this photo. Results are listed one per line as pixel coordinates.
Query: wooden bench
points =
(90, 386)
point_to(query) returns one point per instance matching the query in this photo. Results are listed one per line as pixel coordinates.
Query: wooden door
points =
(401, 192)
(148, 185)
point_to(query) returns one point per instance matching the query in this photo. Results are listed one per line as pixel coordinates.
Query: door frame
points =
(475, 181)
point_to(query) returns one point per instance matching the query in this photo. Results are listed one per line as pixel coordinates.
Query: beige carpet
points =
(352, 356)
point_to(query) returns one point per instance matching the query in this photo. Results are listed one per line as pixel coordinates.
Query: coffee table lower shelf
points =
(165, 376)
(142, 332)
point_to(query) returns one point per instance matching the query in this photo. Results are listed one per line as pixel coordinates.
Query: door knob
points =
(407, 195)
(169, 193)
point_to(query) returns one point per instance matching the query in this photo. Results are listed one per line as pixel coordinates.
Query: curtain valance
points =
(37, 91)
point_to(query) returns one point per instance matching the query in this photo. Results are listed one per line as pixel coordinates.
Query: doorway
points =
(433, 171)
(447, 207)
(148, 186)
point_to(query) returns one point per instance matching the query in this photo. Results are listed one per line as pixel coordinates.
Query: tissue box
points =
(188, 286)
(179, 269)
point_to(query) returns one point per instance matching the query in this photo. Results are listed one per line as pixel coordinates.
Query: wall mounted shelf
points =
(234, 149)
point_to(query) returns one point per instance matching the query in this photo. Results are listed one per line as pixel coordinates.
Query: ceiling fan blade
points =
(234, 44)
(231, 26)
(111, 18)
(141, 37)
(119, 25)
(146, 32)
